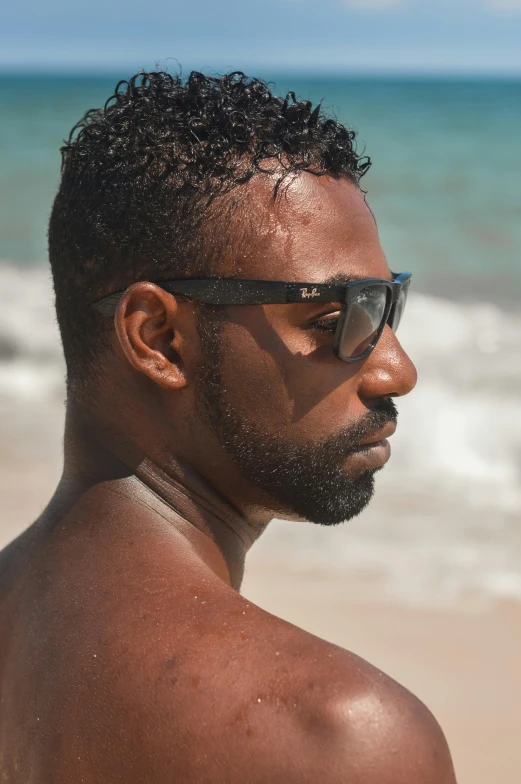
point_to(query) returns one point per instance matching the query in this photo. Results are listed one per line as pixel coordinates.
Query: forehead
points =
(316, 228)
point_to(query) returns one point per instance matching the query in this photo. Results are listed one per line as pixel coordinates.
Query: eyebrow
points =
(340, 279)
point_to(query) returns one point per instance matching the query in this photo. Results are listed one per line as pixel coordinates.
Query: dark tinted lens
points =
(366, 314)
(397, 310)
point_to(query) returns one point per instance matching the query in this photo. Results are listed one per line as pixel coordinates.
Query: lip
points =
(370, 456)
(373, 454)
(378, 438)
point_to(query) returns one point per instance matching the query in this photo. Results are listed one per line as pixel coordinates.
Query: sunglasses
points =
(366, 305)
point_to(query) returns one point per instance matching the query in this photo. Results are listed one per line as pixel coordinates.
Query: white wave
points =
(445, 521)
(31, 363)
(445, 524)
(461, 425)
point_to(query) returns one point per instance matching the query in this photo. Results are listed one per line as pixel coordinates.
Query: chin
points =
(330, 505)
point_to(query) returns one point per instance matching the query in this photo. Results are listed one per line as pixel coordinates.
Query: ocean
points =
(446, 190)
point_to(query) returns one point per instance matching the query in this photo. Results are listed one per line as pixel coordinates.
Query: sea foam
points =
(446, 519)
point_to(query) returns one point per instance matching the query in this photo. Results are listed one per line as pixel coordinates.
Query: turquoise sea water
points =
(445, 185)
(446, 190)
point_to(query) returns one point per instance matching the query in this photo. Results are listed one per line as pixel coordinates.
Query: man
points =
(226, 365)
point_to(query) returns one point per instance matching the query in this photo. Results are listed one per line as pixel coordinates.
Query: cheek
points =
(254, 381)
(289, 389)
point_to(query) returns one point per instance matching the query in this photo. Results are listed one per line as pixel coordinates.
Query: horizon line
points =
(79, 71)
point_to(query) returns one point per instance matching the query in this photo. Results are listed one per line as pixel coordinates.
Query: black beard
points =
(309, 480)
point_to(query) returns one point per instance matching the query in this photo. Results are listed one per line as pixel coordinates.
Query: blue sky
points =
(412, 36)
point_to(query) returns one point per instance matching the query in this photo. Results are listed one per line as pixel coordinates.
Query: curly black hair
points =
(140, 178)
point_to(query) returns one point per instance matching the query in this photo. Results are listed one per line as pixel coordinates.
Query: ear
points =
(146, 323)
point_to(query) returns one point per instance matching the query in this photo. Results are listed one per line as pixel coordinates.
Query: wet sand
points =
(465, 664)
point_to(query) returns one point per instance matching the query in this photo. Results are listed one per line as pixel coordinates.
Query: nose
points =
(388, 371)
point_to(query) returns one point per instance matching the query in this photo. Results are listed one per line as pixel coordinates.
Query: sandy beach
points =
(465, 667)
(463, 662)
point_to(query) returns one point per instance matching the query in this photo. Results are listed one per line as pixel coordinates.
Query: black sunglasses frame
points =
(232, 291)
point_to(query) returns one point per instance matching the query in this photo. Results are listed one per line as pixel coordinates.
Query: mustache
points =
(381, 414)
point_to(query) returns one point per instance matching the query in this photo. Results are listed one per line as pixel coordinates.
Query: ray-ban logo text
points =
(307, 294)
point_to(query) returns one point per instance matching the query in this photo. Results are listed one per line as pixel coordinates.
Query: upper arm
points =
(383, 736)
(322, 731)
(398, 744)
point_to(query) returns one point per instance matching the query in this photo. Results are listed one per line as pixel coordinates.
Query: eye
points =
(327, 323)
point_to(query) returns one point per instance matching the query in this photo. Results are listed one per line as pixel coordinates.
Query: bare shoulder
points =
(351, 722)
(381, 732)
(243, 696)
(179, 674)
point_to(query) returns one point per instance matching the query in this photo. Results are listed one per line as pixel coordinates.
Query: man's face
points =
(294, 419)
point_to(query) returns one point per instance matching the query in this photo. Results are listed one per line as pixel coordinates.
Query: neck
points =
(97, 453)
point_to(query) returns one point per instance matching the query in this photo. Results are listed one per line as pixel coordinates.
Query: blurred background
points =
(426, 584)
